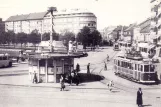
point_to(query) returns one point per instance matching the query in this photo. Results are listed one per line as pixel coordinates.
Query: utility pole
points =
(51, 10)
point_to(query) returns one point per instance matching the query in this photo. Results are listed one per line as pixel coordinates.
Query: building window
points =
(88, 24)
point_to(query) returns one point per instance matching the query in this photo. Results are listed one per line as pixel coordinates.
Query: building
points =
(2, 26)
(155, 31)
(48, 67)
(71, 20)
(142, 32)
(107, 33)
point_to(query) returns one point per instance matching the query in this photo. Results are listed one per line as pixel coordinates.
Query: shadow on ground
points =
(84, 77)
(148, 105)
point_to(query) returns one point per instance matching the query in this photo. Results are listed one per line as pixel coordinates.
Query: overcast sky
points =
(108, 12)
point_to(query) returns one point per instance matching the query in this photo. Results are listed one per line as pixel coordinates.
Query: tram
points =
(132, 66)
(116, 47)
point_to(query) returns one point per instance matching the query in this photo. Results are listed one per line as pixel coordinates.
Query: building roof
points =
(17, 18)
(145, 26)
(145, 29)
(57, 55)
(144, 22)
(119, 28)
(39, 15)
(131, 27)
(36, 15)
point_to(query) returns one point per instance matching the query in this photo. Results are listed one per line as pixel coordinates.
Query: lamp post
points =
(51, 10)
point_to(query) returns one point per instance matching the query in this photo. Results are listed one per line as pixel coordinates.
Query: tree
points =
(55, 36)
(34, 38)
(96, 37)
(66, 37)
(2, 36)
(46, 37)
(88, 38)
(83, 36)
(22, 38)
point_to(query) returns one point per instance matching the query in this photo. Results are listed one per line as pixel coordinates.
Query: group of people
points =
(71, 77)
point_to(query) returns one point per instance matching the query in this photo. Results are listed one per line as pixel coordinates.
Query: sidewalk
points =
(23, 80)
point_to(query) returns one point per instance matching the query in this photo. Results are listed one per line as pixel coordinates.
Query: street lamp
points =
(51, 10)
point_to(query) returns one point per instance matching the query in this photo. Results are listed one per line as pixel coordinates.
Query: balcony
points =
(154, 2)
(153, 24)
(159, 32)
(153, 14)
(159, 20)
(159, 10)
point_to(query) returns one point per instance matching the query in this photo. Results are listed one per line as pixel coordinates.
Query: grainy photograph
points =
(80, 53)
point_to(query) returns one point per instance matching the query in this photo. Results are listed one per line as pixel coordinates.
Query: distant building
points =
(71, 20)
(155, 30)
(107, 33)
(129, 33)
(2, 26)
(142, 32)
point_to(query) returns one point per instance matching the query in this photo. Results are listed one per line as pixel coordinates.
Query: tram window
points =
(152, 67)
(121, 64)
(135, 67)
(126, 65)
(118, 63)
(141, 68)
(140, 48)
(145, 49)
(146, 68)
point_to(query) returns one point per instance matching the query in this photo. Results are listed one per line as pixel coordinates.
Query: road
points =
(124, 95)
(49, 97)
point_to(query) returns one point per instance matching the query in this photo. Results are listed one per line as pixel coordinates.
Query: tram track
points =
(125, 88)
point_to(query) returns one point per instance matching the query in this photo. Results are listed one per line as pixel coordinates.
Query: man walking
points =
(77, 67)
(88, 68)
(62, 83)
(105, 68)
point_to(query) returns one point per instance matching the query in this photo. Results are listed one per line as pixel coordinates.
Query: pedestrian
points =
(111, 84)
(105, 68)
(77, 79)
(139, 99)
(35, 78)
(62, 83)
(17, 59)
(88, 68)
(77, 67)
(70, 79)
(107, 58)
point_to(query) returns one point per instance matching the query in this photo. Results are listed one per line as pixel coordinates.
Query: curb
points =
(51, 86)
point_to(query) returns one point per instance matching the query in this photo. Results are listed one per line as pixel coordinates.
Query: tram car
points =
(116, 47)
(133, 67)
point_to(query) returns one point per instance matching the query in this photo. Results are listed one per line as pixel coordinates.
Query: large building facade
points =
(66, 20)
(155, 31)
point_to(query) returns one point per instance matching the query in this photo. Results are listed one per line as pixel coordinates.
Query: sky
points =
(108, 12)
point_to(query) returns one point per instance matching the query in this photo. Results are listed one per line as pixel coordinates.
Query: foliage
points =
(89, 38)
(66, 37)
(34, 37)
(46, 36)
(22, 38)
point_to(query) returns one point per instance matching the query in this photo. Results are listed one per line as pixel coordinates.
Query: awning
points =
(146, 45)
